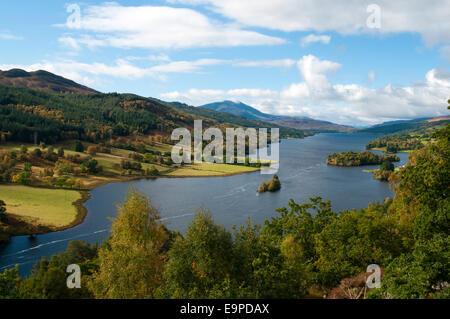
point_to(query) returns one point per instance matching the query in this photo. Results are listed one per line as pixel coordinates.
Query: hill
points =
(300, 123)
(56, 117)
(313, 125)
(42, 80)
(225, 117)
(407, 140)
(240, 109)
(406, 125)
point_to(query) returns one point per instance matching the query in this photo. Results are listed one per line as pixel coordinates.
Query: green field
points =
(49, 207)
(211, 169)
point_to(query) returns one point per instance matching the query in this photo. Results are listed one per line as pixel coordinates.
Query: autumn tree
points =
(9, 283)
(131, 264)
(92, 150)
(201, 264)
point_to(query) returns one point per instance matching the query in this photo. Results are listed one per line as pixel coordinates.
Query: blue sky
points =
(303, 58)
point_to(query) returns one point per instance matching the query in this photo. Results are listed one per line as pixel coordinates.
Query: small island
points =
(272, 185)
(348, 159)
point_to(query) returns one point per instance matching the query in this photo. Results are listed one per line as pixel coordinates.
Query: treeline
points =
(396, 143)
(359, 158)
(15, 125)
(306, 250)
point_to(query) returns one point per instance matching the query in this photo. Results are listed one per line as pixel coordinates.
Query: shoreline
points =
(85, 196)
(383, 149)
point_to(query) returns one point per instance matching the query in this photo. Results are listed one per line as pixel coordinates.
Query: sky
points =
(352, 62)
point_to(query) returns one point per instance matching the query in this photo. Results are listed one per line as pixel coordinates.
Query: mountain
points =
(313, 125)
(224, 117)
(240, 109)
(301, 123)
(406, 125)
(42, 80)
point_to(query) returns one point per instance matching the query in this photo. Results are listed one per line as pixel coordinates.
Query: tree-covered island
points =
(359, 158)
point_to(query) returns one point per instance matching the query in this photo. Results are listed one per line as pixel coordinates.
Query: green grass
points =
(211, 169)
(49, 207)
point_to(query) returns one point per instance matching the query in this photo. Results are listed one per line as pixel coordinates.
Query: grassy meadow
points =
(48, 207)
(210, 169)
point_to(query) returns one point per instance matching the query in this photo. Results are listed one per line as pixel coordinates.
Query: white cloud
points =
(185, 66)
(69, 42)
(198, 96)
(124, 68)
(284, 63)
(254, 93)
(121, 68)
(353, 104)
(428, 18)
(312, 38)
(316, 85)
(113, 25)
(154, 58)
(6, 35)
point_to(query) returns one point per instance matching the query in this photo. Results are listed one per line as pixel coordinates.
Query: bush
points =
(387, 166)
(92, 150)
(152, 171)
(90, 166)
(78, 147)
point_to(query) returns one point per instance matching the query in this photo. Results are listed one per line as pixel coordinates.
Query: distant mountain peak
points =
(42, 80)
(298, 122)
(238, 108)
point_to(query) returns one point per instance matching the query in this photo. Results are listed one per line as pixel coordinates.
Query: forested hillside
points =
(92, 117)
(410, 139)
(405, 126)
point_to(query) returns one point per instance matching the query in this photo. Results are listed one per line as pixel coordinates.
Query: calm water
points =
(303, 174)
